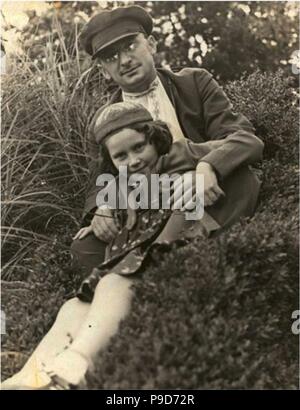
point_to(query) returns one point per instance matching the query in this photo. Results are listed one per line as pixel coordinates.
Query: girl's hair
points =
(156, 132)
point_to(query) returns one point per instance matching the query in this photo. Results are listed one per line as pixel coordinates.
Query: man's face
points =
(129, 62)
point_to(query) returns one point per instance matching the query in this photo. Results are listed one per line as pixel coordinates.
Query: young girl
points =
(128, 136)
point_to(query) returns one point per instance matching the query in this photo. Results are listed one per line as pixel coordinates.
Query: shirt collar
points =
(153, 86)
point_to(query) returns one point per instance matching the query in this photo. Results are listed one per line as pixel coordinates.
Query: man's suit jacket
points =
(205, 114)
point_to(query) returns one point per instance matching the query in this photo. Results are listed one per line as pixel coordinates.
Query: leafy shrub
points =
(269, 101)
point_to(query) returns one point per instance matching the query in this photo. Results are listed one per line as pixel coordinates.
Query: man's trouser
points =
(87, 253)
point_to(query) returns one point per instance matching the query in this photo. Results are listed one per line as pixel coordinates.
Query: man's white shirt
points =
(157, 102)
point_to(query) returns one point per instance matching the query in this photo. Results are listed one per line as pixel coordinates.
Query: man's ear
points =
(152, 44)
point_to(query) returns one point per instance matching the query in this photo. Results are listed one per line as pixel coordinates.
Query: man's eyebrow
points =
(107, 53)
(128, 40)
(111, 50)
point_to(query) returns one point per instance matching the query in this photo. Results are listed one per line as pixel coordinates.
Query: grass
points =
(45, 113)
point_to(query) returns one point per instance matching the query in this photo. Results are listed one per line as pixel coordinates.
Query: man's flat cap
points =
(109, 26)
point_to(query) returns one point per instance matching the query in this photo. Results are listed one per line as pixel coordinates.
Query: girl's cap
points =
(115, 117)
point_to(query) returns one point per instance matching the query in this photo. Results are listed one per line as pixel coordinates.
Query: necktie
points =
(153, 86)
(149, 95)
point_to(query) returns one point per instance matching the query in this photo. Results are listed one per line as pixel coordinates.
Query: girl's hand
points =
(83, 232)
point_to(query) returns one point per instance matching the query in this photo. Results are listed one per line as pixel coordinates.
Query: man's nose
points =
(124, 58)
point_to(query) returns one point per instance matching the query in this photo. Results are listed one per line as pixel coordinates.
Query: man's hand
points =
(212, 191)
(104, 225)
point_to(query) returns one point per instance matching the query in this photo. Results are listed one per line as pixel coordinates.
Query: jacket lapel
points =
(167, 86)
(168, 81)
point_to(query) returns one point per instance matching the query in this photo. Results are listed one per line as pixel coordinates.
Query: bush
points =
(269, 101)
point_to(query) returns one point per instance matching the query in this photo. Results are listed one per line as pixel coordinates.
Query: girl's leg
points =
(111, 304)
(60, 336)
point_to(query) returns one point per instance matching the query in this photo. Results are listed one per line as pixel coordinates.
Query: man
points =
(192, 104)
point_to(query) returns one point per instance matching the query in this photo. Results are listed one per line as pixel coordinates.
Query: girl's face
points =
(130, 148)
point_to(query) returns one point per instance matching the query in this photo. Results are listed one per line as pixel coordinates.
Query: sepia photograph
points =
(150, 197)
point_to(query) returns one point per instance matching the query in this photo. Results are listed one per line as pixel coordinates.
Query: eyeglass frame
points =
(115, 55)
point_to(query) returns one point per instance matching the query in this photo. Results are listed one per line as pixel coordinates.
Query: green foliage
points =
(226, 38)
(270, 102)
